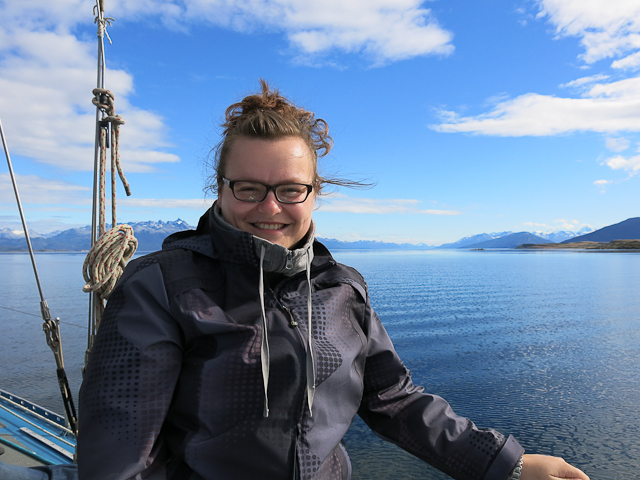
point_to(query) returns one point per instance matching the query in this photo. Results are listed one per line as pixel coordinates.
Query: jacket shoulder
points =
(340, 273)
(182, 270)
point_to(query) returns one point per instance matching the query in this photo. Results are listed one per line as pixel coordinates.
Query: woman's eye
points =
(293, 190)
(248, 189)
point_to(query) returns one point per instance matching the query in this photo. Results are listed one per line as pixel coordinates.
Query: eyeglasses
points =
(256, 192)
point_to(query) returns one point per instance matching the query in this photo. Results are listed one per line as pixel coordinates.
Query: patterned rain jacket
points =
(181, 372)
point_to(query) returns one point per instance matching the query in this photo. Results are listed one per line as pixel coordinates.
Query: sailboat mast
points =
(96, 304)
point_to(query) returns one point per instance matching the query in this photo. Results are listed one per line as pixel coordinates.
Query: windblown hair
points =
(270, 116)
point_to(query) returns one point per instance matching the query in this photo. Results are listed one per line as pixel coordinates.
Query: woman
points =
(242, 350)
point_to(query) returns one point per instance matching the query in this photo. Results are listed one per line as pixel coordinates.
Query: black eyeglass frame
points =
(269, 188)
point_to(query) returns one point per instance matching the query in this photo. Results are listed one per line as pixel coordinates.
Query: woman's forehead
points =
(285, 159)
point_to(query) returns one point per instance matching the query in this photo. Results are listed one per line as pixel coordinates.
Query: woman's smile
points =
(269, 226)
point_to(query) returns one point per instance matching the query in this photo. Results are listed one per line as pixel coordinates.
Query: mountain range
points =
(512, 240)
(626, 230)
(151, 234)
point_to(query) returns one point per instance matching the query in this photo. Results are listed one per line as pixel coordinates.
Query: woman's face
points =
(272, 162)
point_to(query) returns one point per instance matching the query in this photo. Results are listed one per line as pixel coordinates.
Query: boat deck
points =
(31, 435)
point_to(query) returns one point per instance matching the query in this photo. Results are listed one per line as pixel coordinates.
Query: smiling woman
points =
(243, 350)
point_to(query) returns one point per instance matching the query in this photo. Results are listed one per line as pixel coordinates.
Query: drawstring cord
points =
(311, 368)
(264, 350)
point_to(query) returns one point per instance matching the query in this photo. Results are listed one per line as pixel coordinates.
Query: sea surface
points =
(544, 346)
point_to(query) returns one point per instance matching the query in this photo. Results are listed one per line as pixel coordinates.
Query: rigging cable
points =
(51, 327)
(39, 316)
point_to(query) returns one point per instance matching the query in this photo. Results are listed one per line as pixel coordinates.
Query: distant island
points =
(150, 235)
(612, 245)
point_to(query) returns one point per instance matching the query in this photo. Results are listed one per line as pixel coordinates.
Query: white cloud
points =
(345, 204)
(607, 28)
(199, 204)
(534, 224)
(567, 224)
(37, 190)
(579, 82)
(561, 225)
(602, 182)
(605, 107)
(618, 144)
(630, 164)
(629, 62)
(387, 30)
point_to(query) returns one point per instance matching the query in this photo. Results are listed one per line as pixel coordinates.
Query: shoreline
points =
(612, 245)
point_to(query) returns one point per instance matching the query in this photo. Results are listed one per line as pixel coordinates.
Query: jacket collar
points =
(215, 238)
(277, 259)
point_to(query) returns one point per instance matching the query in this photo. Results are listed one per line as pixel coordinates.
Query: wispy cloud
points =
(37, 190)
(384, 30)
(617, 144)
(561, 224)
(605, 108)
(607, 29)
(567, 224)
(626, 164)
(199, 204)
(346, 204)
(579, 82)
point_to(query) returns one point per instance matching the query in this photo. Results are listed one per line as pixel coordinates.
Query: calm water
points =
(541, 345)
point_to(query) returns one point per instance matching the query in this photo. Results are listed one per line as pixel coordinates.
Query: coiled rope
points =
(106, 260)
(109, 255)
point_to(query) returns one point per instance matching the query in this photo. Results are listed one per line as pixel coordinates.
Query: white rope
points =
(106, 260)
(105, 101)
(101, 20)
(109, 255)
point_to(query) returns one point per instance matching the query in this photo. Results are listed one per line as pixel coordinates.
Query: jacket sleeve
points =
(129, 381)
(425, 425)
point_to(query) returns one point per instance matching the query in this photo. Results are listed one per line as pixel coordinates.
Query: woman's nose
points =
(270, 204)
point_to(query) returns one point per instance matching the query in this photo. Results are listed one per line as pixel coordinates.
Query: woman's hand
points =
(543, 467)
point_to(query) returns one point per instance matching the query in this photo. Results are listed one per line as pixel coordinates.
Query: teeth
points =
(270, 226)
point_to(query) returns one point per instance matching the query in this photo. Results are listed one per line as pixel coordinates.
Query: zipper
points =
(292, 321)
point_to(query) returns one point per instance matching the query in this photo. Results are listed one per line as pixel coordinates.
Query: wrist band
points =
(518, 471)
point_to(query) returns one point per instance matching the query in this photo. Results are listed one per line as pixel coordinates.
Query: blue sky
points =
(471, 116)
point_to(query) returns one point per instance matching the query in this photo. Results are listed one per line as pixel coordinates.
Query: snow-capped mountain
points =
(482, 237)
(557, 237)
(474, 240)
(149, 234)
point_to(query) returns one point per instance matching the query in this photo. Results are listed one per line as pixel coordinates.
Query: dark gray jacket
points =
(174, 387)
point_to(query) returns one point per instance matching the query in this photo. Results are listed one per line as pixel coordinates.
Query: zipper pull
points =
(289, 264)
(292, 322)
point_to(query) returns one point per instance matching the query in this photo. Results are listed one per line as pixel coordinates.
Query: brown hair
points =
(270, 116)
